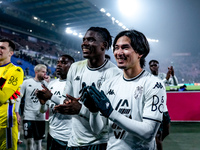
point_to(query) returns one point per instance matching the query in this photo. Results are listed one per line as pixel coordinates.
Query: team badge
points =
(138, 92)
(99, 82)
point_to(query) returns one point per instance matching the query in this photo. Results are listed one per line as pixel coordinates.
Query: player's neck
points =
(132, 72)
(3, 62)
(95, 63)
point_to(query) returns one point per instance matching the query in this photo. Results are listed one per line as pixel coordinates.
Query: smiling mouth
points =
(58, 69)
(86, 50)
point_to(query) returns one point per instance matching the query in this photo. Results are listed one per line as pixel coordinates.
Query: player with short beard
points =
(96, 68)
(33, 119)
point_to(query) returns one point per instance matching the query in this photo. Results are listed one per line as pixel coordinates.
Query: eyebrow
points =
(123, 45)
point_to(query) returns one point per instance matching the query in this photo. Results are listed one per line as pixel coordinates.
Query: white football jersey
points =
(138, 98)
(172, 80)
(79, 72)
(32, 104)
(59, 125)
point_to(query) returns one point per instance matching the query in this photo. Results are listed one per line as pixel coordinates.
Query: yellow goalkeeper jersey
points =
(11, 77)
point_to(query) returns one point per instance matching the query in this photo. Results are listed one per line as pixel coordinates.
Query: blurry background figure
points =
(168, 79)
(59, 125)
(183, 88)
(33, 119)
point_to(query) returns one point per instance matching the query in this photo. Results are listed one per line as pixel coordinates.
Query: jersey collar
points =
(5, 64)
(134, 77)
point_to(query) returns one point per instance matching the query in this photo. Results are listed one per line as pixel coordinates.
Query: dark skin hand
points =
(170, 72)
(44, 94)
(71, 106)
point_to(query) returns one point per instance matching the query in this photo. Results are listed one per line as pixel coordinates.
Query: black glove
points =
(101, 101)
(86, 99)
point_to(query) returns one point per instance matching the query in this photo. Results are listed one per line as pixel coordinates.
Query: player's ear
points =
(11, 53)
(105, 45)
(140, 56)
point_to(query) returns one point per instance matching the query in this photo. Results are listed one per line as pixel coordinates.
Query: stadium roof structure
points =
(47, 17)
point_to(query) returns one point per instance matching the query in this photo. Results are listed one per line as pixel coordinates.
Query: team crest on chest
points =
(99, 82)
(138, 92)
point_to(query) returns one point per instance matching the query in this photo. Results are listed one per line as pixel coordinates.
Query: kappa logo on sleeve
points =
(111, 92)
(77, 78)
(158, 85)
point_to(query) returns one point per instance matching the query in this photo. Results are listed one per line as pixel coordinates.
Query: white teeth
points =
(86, 50)
(120, 59)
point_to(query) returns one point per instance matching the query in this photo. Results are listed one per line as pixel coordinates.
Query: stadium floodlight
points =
(108, 14)
(120, 24)
(152, 40)
(74, 33)
(124, 27)
(117, 21)
(80, 35)
(35, 18)
(128, 7)
(1, 2)
(103, 10)
(68, 30)
(113, 19)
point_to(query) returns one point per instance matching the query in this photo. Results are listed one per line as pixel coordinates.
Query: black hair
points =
(104, 33)
(70, 58)
(153, 60)
(11, 44)
(138, 42)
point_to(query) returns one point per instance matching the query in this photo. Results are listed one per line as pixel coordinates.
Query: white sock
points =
(18, 135)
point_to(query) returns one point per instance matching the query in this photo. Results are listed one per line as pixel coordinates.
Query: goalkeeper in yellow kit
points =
(11, 77)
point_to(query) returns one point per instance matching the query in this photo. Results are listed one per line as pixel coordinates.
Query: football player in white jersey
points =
(59, 125)
(33, 119)
(168, 79)
(133, 101)
(96, 68)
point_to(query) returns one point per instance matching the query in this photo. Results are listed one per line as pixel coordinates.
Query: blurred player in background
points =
(59, 125)
(169, 79)
(11, 77)
(33, 119)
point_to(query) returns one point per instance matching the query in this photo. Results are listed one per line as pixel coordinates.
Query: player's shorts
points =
(34, 129)
(8, 138)
(166, 120)
(90, 147)
(55, 144)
